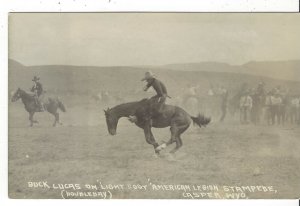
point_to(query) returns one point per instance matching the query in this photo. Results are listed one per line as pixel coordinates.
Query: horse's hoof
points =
(170, 157)
(173, 151)
(155, 155)
(156, 151)
(161, 147)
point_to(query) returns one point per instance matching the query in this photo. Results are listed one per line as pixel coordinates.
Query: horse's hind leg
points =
(150, 138)
(178, 138)
(57, 118)
(174, 131)
(175, 134)
(178, 145)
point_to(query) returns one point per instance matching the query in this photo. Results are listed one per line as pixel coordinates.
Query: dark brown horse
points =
(171, 116)
(51, 105)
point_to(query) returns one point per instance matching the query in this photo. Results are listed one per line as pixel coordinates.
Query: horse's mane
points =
(24, 92)
(129, 106)
(143, 100)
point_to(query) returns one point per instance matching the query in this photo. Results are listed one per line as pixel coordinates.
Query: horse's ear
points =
(105, 112)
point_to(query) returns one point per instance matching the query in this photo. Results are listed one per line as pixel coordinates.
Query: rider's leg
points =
(41, 106)
(148, 115)
(36, 100)
(149, 118)
(161, 104)
(38, 103)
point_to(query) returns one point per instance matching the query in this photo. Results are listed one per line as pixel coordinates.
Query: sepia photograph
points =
(153, 105)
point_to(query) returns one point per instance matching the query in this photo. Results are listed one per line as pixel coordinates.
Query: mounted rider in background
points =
(37, 89)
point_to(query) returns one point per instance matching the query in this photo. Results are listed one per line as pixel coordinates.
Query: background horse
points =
(173, 116)
(51, 105)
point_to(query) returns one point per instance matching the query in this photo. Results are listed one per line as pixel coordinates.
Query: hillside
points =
(125, 81)
(287, 70)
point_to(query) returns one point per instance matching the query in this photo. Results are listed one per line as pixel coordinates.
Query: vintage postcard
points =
(154, 106)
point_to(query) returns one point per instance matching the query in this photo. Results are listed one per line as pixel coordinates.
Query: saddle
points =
(42, 101)
(150, 107)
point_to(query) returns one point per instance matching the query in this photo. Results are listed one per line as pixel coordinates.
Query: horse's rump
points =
(50, 101)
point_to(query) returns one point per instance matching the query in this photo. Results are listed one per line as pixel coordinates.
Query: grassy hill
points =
(125, 81)
(287, 70)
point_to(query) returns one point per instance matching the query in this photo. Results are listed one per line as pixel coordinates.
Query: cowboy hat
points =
(35, 78)
(148, 75)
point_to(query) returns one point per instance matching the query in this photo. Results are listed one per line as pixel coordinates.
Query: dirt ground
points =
(81, 151)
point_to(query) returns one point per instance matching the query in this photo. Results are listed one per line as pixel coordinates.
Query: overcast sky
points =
(151, 39)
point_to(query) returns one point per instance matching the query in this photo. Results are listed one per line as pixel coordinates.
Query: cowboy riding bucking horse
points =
(159, 98)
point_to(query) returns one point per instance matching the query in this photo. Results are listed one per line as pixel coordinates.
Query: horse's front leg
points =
(34, 120)
(150, 138)
(56, 119)
(31, 118)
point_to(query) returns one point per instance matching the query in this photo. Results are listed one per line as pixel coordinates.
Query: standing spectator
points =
(261, 89)
(276, 103)
(224, 100)
(294, 110)
(245, 107)
(268, 104)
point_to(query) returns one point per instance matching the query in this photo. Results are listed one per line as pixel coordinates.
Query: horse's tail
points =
(201, 120)
(61, 106)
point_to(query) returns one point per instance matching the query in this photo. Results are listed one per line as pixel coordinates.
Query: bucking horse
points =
(169, 116)
(51, 105)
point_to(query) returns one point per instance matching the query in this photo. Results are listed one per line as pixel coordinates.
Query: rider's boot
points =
(132, 118)
(150, 122)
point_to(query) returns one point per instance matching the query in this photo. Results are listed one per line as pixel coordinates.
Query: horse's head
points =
(16, 95)
(111, 121)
